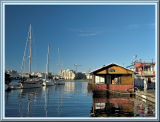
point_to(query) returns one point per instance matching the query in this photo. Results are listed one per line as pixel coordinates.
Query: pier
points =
(148, 95)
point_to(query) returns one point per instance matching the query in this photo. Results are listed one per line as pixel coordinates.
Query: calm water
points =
(71, 100)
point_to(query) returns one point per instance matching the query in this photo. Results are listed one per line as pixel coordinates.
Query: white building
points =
(68, 74)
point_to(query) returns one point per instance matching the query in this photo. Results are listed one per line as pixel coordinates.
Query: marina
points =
(79, 61)
(73, 100)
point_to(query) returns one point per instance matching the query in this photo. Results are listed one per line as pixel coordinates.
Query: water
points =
(71, 100)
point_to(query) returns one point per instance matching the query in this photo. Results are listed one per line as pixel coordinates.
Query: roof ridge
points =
(111, 64)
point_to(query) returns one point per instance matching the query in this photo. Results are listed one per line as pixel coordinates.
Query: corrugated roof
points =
(109, 65)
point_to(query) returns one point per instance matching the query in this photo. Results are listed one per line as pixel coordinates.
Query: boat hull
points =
(59, 82)
(27, 85)
(48, 83)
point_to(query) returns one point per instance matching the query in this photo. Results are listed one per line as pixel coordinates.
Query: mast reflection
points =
(26, 98)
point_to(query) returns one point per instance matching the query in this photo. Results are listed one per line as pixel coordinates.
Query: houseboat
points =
(112, 78)
(145, 70)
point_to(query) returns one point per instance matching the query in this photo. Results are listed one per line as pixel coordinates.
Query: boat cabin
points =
(113, 77)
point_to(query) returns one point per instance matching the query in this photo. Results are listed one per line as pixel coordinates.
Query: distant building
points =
(71, 74)
(13, 73)
(41, 75)
(67, 74)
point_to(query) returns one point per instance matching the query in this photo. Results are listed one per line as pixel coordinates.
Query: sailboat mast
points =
(30, 49)
(48, 59)
(59, 60)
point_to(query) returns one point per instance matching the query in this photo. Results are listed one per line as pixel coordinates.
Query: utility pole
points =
(76, 65)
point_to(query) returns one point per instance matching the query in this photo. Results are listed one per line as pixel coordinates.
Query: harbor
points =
(109, 91)
(79, 61)
(73, 100)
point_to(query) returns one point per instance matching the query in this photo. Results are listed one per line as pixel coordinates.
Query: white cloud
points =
(85, 32)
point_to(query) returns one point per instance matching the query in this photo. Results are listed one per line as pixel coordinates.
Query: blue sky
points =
(88, 35)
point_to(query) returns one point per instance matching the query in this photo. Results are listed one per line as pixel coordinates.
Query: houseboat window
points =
(99, 79)
(111, 70)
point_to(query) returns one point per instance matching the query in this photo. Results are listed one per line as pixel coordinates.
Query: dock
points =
(147, 95)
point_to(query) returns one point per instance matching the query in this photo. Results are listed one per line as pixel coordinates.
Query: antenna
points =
(134, 59)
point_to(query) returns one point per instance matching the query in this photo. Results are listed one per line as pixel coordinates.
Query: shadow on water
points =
(111, 105)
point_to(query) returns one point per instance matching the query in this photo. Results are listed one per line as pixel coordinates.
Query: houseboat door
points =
(108, 79)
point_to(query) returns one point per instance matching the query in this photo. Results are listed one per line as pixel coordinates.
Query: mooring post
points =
(145, 84)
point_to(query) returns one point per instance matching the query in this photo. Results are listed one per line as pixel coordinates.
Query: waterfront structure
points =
(145, 70)
(113, 77)
(145, 75)
(68, 74)
(72, 75)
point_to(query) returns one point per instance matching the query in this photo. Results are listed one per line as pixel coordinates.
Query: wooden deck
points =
(149, 95)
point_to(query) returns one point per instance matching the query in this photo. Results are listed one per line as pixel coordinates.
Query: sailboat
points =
(47, 81)
(30, 82)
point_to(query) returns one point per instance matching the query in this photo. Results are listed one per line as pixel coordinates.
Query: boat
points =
(30, 82)
(59, 81)
(47, 81)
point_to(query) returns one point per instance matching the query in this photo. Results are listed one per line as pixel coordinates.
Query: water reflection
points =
(27, 98)
(54, 101)
(121, 106)
(112, 106)
(74, 99)
(69, 86)
(144, 108)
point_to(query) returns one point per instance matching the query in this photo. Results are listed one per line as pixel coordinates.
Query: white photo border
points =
(37, 2)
